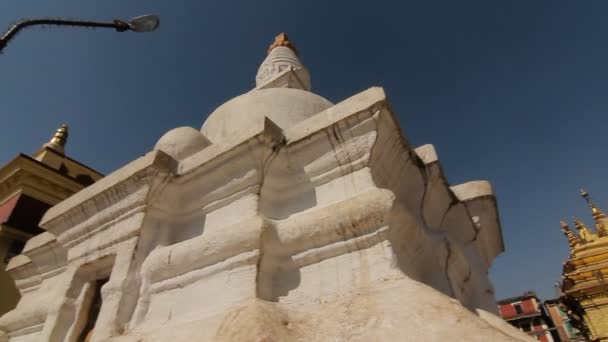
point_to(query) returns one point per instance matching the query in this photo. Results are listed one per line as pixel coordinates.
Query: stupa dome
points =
(282, 94)
(284, 106)
(181, 142)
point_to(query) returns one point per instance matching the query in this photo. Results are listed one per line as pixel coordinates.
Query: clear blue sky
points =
(515, 92)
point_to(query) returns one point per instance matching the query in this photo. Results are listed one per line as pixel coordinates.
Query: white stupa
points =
(286, 218)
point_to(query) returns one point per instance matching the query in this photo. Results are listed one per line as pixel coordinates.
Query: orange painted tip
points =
(282, 40)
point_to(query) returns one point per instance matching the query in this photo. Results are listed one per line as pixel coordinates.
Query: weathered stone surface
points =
(323, 224)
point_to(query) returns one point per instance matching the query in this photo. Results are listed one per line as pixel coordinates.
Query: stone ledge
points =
(18, 262)
(38, 241)
(267, 131)
(427, 154)
(477, 195)
(156, 159)
(438, 198)
(472, 190)
(360, 102)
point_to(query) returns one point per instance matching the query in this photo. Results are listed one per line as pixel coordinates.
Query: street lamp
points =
(144, 23)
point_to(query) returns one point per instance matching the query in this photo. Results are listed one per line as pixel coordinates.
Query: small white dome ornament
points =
(182, 142)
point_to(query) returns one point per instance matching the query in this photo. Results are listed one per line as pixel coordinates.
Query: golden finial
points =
(585, 234)
(598, 216)
(59, 139)
(579, 224)
(61, 136)
(282, 40)
(573, 241)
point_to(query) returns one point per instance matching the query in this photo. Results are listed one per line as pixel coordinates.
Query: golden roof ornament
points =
(573, 241)
(601, 220)
(59, 139)
(583, 231)
(282, 40)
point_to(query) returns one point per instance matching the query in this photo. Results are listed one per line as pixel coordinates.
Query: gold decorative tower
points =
(585, 291)
(59, 139)
(601, 220)
(584, 232)
(29, 186)
(573, 241)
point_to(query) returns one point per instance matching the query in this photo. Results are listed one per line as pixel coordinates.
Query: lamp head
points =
(144, 23)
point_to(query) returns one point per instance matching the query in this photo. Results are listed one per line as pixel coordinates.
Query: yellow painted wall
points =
(597, 318)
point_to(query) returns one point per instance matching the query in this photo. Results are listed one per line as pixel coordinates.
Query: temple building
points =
(286, 217)
(584, 287)
(29, 186)
(562, 322)
(527, 313)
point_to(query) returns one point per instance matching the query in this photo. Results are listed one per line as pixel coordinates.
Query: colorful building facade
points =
(526, 313)
(29, 186)
(562, 322)
(584, 287)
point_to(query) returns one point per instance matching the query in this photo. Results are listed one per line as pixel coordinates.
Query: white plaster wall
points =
(332, 228)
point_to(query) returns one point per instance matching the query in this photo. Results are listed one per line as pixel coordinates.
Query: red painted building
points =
(527, 313)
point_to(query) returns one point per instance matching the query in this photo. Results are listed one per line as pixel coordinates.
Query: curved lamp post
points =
(144, 23)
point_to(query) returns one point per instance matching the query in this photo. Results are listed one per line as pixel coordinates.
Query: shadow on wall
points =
(277, 273)
(286, 187)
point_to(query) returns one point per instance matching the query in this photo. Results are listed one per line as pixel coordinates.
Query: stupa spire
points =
(282, 67)
(59, 139)
(573, 241)
(601, 220)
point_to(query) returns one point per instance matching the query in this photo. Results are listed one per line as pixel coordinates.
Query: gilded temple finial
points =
(59, 139)
(282, 40)
(583, 231)
(601, 220)
(573, 241)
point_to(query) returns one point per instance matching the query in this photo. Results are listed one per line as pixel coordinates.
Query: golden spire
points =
(573, 241)
(282, 40)
(59, 139)
(583, 231)
(601, 221)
